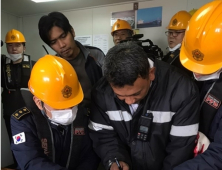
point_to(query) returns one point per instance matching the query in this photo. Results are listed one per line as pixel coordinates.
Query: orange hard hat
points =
(191, 12)
(120, 25)
(14, 36)
(54, 81)
(179, 21)
(201, 50)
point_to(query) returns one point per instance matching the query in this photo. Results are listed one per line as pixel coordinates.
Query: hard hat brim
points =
(195, 66)
(175, 28)
(64, 104)
(15, 42)
(70, 103)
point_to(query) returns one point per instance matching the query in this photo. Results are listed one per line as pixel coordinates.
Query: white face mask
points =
(174, 48)
(15, 57)
(203, 77)
(64, 117)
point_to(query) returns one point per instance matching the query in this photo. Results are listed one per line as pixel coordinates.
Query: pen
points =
(117, 162)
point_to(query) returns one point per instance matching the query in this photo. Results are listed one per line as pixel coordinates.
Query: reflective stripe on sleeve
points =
(184, 131)
(96, 126)
(158, 116)
(119, 115)
(161, 116)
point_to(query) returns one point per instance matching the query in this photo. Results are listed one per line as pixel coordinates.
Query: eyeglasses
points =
(173, 33)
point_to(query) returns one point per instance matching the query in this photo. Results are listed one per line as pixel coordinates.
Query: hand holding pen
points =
(119, 165)
(117, 162)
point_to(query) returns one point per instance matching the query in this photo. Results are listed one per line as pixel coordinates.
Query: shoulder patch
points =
(20, 113)
(79, 131)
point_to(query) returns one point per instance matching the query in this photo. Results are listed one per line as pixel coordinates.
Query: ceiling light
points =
(38, 1)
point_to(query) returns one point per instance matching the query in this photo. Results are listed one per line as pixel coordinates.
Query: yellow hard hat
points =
(179, 21)
(54, 81)
(201, 50)
(191, 12)
(120, 25)
(14, 36)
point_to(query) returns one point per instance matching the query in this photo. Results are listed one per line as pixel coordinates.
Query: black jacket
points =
(19, 73)
(173, 58)
(174, 102)
(93, 68)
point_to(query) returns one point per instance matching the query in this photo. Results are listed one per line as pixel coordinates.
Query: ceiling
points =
(28, 7)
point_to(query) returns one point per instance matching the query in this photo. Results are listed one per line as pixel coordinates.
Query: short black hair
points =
(46, 23)
(124, 63)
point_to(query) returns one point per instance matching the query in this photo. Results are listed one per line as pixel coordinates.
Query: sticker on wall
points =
(128, 16)
(84, 39)
(136, 31)
(135, 6)
(149, 17)
(101, 41)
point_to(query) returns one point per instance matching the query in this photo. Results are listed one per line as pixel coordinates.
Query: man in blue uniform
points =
(144, 113)
(201, 53)
(50, 131)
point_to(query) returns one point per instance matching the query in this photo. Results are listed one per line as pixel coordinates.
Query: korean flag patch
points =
(19, 138)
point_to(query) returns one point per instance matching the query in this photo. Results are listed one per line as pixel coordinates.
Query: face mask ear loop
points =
(44, 110)
(43, 106)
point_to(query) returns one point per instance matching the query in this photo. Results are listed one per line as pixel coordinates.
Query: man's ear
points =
(24, 48)
(38, 102)
(152, 73)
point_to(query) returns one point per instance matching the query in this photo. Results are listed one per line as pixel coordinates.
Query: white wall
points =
(96, 20)
(8, 22)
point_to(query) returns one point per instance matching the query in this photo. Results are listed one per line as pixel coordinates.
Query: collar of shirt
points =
(175, 48)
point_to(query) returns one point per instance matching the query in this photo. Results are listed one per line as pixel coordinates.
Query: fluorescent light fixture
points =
(38, 1)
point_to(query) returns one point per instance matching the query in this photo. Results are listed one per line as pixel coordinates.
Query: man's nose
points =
(61, 43)
(171, 36)
(14, 48)
(130, 100)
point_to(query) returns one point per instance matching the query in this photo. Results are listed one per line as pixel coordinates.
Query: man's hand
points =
(122, 164)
